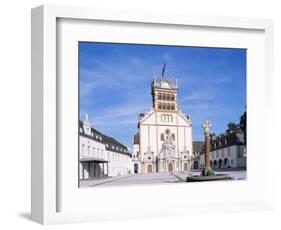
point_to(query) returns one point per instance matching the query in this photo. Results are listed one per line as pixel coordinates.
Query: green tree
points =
(231, 126)
(243, 125)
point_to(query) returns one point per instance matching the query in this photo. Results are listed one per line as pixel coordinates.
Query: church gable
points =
(183, 120)
(148, 119)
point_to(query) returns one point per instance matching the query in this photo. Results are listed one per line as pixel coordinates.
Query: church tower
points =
(164, 94)
(164, 139)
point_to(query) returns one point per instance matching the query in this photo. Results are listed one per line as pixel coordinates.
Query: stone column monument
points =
(207, 171)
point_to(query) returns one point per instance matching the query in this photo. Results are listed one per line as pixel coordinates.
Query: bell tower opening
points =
(164, 93)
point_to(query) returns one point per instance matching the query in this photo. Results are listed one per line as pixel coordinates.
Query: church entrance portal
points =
(196, 165)
(170, 167)
(185, 166)
(149, 168)
(136, 167)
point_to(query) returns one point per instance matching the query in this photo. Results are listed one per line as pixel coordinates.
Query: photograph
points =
(160, 114)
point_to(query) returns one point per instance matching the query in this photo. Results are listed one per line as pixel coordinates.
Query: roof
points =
(93, 159)
(234, 137)
(167, 84)
(110, 143)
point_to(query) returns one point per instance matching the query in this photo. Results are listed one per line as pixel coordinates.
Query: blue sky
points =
(115, 84)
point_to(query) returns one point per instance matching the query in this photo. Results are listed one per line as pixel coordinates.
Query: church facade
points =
(163, 142)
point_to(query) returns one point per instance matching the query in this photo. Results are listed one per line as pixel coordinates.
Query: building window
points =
(159, 105)
(168, 97)
(159, 96)
(162, 137)
(173, 137)
(168, 106)
(172, 97)
(83, 149)
(173, 107)
(228, 152)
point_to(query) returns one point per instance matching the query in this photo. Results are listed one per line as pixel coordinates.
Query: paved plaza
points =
(155, 178)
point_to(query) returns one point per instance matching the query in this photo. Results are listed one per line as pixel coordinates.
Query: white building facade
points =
(100, 155)
(164, 139)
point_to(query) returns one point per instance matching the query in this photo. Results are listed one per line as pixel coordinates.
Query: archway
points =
(226, 163)
(220, 163)
(136, 168)
(149, 168)
(215, 163)
(196, 164)
(170, 167)
(185, 166)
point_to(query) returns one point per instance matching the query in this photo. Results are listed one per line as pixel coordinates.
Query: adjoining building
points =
(100, 155)
(197, 161)
(163, 142)
(227, 151)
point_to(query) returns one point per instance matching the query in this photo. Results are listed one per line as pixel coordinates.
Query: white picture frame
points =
(49, 186)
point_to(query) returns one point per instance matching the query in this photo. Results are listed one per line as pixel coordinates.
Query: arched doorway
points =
(136, 168)
(220, 163)
(149, 168)
(195, 164)
(226, 163)
(170, 167)
(215, 163)
(185, 166)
